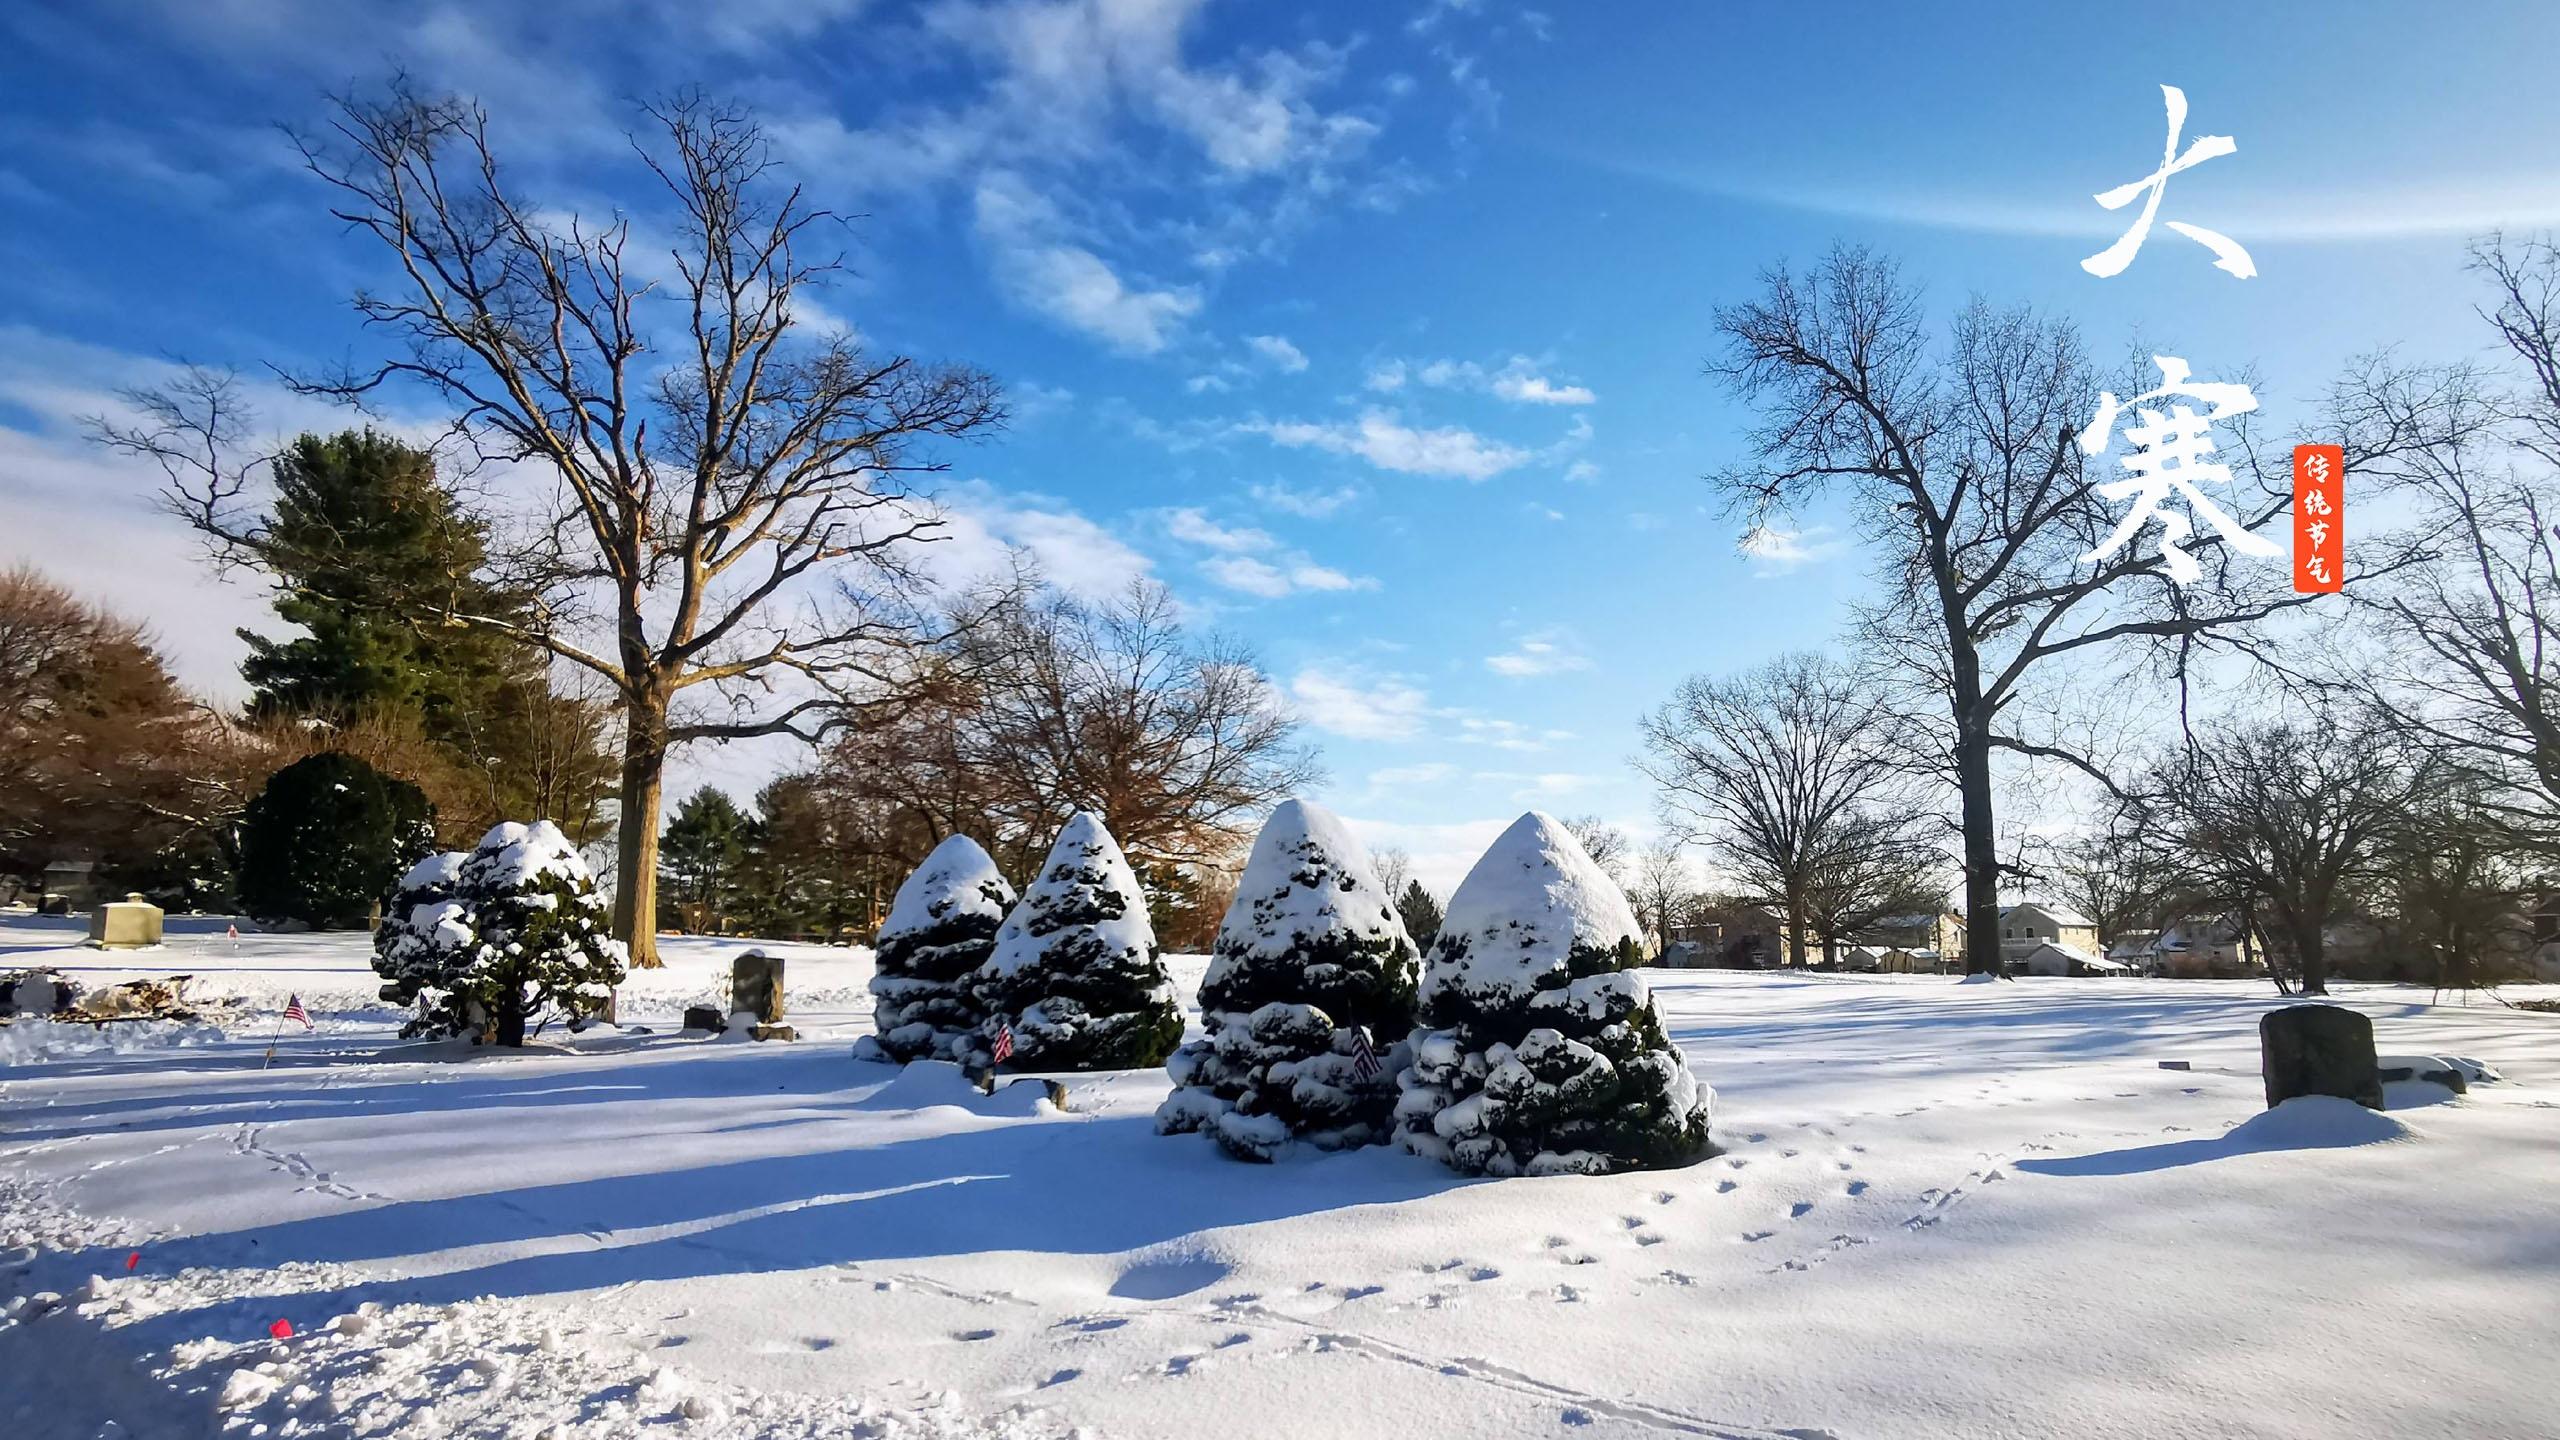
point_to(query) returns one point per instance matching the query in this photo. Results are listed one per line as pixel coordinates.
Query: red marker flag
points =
(2319, 519)
(133, 1261)
(282, 1329)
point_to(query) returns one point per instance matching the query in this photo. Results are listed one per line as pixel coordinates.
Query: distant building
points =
(2048, 958)
(2025, 926)
(1934, 935)
(2204, 949)
(1731, 937)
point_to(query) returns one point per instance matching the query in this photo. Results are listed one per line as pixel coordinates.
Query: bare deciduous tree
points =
(2293, 817)
(1775, 772)
(730, 526)
(1606, 844)
(1971, 487)
(1663, 889)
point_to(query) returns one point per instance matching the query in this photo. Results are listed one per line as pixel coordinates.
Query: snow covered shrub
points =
(1536, 1051)
(508, 934)
(1074, 972)
(941, 927)
(325, 837)
(1310, 957)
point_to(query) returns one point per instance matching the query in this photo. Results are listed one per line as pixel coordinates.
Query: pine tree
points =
(1075, 971)
(699, 857)
(488, 943)
(324, 839)
(1420, 914)
(941, 928)
(1309, 957)
(1537, 1050)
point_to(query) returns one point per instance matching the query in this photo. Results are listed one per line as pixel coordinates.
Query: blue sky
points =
(1375, 331)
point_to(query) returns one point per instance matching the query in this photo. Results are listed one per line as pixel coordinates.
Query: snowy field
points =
(1944, 1210)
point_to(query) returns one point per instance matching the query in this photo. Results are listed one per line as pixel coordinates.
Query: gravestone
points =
(755, 986)
(2318, 1050)
(705, 1017)
(128, 924)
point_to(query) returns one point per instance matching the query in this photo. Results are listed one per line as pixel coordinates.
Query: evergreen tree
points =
(1309, 957)
(1420, 914)
(1075, 972)
(699, 857)
(941, 928)
(325, 838)
(1537, 1050)
(488, 943)
(365, 535)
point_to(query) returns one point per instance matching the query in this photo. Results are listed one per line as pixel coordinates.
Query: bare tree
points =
(2293, 817)
(1663, 890)
(1972, 488)
(1881, 863)
(2473, 666)
(2120, 883)
(1606, 844)
(729, 526)
(1775, 772)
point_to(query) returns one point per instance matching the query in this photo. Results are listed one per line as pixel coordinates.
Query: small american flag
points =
(293, 1011)
(1364, 1060)
(1004, 1043)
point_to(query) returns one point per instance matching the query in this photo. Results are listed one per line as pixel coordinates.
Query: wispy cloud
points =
(1385, 441)
(1253, 561)
(1066, 282)
(1541, 652)
(1776, 550)
(1519, 380)
(1276, 349)
(1306, 504)
(1347, 705)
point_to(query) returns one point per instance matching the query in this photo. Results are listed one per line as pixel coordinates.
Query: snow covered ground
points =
(1944, 1211)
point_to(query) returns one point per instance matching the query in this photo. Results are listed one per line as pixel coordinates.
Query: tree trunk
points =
(644, 778)
(1795, 933)
(2308, 950)
(510, 1026)
(1981, 854)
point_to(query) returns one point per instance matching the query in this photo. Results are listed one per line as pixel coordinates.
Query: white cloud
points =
(1582, 472)
(1277, 349)
(1307, 504)
(1253, 561)
(1517, 381)
(1387, 443)
(1339, 704)
(1544, 652)
(984, 526)
(1203, 384)
(1778, 550)
(1066, 282)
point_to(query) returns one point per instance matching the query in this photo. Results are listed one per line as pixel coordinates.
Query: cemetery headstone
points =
(755, 986)
(128, 924)
(2318, 1050)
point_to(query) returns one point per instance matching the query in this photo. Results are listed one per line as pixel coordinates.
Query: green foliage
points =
(488, 943)
(699, 858)
(325, 838)
(1420, 914)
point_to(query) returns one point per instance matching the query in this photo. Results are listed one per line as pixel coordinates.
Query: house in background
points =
(2025, 926)
(2049, 958)
(1938, 937)
(2198, 948)
(1728, 937)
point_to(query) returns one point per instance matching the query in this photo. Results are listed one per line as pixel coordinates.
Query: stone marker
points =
(705, 1017)
(755, 986)
(127, 924)
(2318, 1050)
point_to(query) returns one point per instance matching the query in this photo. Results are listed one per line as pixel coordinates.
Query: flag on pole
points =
(1003, 1050)
(293, 1011)
(234, 932)
(1364, 1059)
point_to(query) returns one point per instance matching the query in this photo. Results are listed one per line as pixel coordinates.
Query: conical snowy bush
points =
(487, 942)
(1536, 1052)
(1309, 962)
(941, 928)
(1075, 974)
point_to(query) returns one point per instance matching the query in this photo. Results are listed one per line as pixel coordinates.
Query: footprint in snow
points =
(1061, 1378)
(1727, 1187)
(1754, 1237)
(1663, 1197)
(973, 1335)
(1800, 1209)
(1756, 1137)
(1789, 1154)
(1232, 1341)
(1857, 1187)
(1575, 1415)
(1484, 1272)
(1632, 1222)
(1363, 1292)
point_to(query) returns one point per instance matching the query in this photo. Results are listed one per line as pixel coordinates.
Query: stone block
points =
(755, 986)
(2318, 1050)
(128, 924)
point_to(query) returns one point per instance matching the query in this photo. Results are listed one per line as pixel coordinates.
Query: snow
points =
(958, 878)
(1084, 862)
(1307, 878)
(1943, 1212)
(1526, 903)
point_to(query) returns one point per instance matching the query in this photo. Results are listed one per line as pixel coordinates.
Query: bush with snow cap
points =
(486, 942)
(941, 928)
(1310, 954)
(1075, 970)
(1536, 1051)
